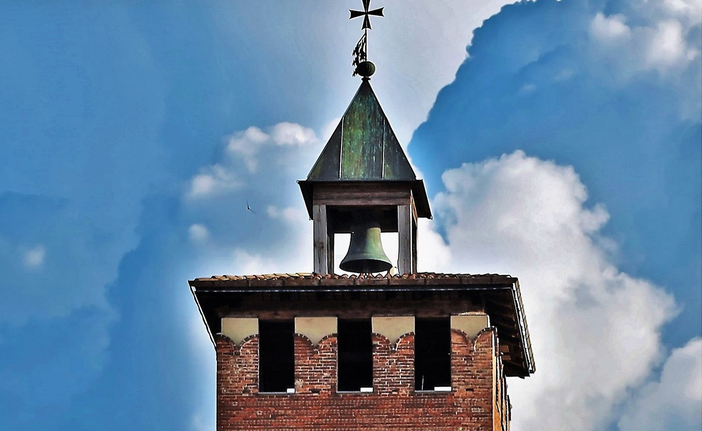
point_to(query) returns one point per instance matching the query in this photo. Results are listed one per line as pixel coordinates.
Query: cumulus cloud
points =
(603, 86)
(595, 330)
(247, 144)
(565, 78)
(244, 149)
(439, 31)
(211, 180)
(659, 42)
(245, 225)
(610, 29)
(292, 134)
(433, 254)
(668, 47)
(674, 402)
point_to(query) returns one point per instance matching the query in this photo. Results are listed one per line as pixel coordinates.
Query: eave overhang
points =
(222, 296)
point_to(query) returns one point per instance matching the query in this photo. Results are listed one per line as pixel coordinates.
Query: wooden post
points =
(405, 238)
(321, 239)
(330, 244)
(414, 242)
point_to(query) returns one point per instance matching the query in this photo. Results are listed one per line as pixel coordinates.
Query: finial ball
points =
(365, 69)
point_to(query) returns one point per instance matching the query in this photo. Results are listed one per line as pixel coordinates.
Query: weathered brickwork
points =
(393, 366)
(394, 404)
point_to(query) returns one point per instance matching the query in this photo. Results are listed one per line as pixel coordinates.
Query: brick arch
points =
(237, 366)
(393, 405)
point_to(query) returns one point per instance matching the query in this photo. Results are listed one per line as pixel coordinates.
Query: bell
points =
(365, 253)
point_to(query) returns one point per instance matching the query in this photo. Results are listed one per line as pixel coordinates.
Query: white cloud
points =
(594, 329)
(407, 55)
(239, 166)
(657, 41)
(273, 256)
(198, 233)
(667, 46)
(245, 147)
(688, 12)
(213, 180)
(610, 29)
(292, 134)
(247, 144)
(675, 401)
(287, 215)
(275, 235)
(34, 257)
(245, 141)
(433, 255)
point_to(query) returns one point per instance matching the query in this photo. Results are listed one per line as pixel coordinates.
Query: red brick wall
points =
(393, 405)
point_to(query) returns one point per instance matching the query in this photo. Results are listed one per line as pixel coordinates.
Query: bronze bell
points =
(365, 253)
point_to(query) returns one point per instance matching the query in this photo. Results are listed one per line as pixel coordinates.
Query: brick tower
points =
(366, 351)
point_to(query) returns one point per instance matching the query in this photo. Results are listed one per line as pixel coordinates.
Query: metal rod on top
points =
(362, 66)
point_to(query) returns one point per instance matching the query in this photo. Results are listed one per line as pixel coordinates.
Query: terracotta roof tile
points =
(421, 278)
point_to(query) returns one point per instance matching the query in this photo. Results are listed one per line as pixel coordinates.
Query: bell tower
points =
(374, 350)
(363, 181)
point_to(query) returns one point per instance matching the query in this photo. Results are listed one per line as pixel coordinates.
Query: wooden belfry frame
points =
(363, 169)
(334, 203)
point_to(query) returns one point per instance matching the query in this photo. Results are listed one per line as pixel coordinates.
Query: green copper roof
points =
(363, 147)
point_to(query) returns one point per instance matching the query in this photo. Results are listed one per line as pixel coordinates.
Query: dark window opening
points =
(355, 366)
(432, 353)
(276, 355)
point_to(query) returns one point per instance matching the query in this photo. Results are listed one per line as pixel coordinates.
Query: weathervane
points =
(364, 67)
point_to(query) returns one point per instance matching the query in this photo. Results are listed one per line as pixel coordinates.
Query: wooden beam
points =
(405, 237)
(498, 306)
(499, 314)
(330, 245)
(362, 200)
(321, 239)
(414, 241)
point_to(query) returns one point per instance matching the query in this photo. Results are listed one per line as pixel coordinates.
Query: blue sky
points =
(560, 143)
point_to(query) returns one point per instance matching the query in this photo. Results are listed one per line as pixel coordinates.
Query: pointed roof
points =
(363, 146)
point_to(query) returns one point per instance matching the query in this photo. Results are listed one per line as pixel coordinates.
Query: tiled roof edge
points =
(345, 279)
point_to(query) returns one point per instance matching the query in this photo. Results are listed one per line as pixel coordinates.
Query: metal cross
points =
(365, 13)
(360, 53)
